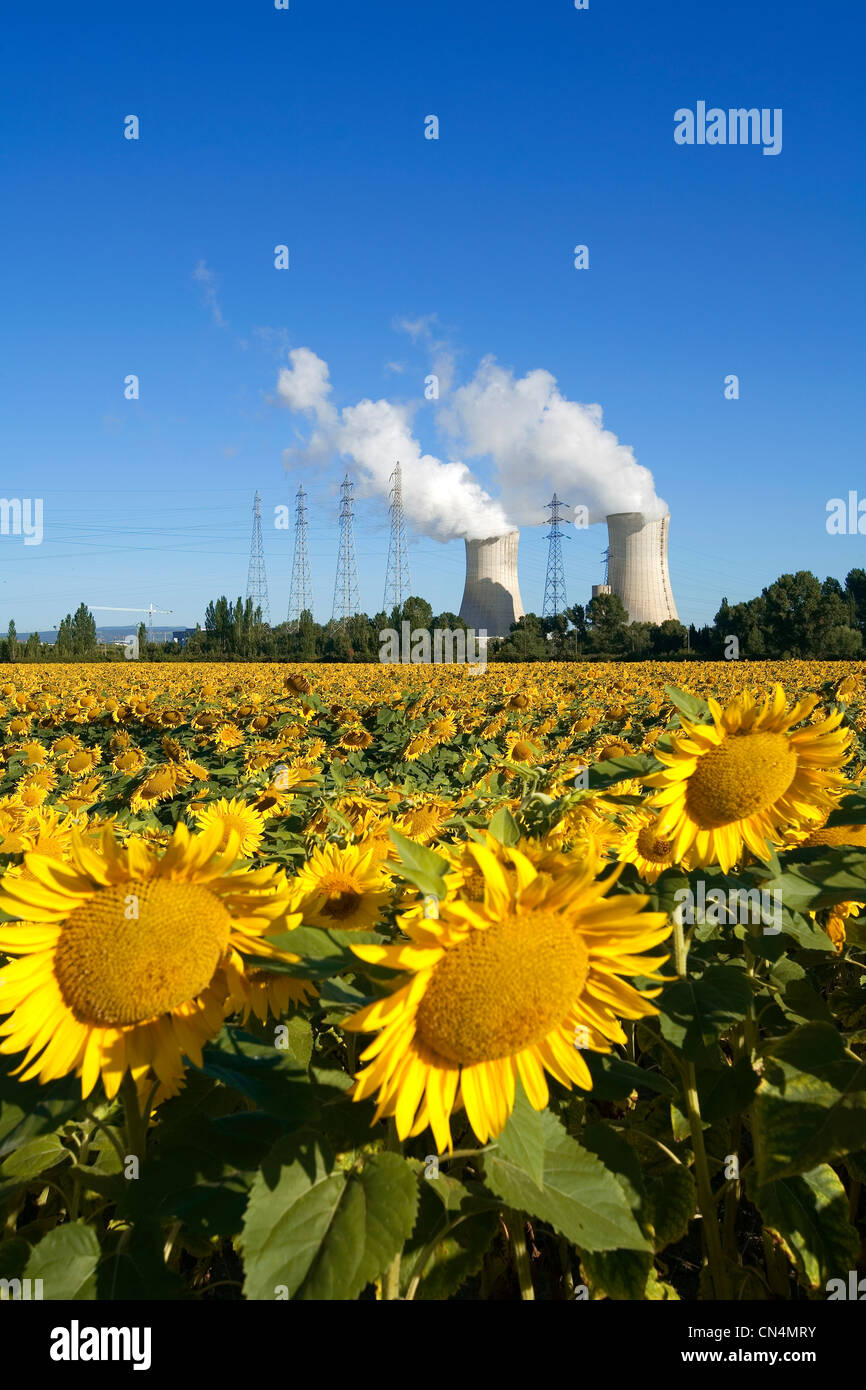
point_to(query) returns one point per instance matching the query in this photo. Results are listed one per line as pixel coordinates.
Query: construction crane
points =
(150, 610)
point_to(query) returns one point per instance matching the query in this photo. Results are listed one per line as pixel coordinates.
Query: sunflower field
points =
(433, 983)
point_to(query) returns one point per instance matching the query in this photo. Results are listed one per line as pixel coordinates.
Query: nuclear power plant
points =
(491, 596)
(636, 571)
(638, 566)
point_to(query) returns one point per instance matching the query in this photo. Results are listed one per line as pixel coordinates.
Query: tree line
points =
(796, 616)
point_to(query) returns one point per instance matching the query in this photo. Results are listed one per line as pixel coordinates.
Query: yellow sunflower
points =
(425, 820)
(34, 754)
(417, 747)
(261, 992)
(355, 739)
(228, 736)
(741, 779)
(513, 986)
(82, 796)
(346, 888)
(127, 960)
(642, 845)
(234, 815)
(837, 916)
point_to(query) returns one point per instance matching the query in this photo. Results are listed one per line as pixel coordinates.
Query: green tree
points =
(667, 637)
(607, 620)
(417, 612)
(63, 641)
(855, 592)
(793, 615)
(83, 633)
(525, 642)
(843, 643)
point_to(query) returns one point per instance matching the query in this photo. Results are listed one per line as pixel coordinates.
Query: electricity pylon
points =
(301, 588)
(257, 580)
(398, 580)
(346, 600)
(554, 584)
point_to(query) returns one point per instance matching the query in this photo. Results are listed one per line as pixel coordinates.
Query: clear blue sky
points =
(305, 126)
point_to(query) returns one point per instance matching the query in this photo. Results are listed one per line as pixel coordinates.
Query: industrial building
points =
(491, 595)
(638, 566)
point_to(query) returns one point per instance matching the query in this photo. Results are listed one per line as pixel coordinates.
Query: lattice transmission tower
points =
(301, 587)
(554, 583)
(257, 579)
(398, 579)
(346, 600)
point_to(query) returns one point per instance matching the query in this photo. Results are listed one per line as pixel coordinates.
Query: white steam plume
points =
(539, 441)
(535, 439)
(440, 499)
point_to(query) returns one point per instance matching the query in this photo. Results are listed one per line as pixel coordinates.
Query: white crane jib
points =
(149, 610)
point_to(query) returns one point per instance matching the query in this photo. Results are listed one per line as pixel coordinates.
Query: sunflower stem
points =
(136, 1123)
(391, 1277)
(516, 1223)
(110, 1135)
(706, 1201)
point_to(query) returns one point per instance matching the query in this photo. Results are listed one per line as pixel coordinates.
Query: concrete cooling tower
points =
(638, 566)
(491, 598)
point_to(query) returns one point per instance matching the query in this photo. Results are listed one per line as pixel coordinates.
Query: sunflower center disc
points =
(503, 988)
(341, 904)
(747, 773)
(657, 850)
(140, 949)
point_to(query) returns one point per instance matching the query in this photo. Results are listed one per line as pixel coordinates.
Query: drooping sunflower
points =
(417, 747)
(425, 820)
(741, 779)
(233, 815)
(836, 918)
(343, 887)
(160, 784)
(355, 739)
(81, 796)
(515, 985)
(128, 761)
(127, 960)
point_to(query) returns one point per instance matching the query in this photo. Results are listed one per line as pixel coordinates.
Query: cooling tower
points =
(638, 566)
(491, 598)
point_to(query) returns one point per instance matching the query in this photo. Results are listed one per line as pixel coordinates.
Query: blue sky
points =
(306, 127)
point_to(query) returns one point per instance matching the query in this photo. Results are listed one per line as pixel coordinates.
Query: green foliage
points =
(314, 1231)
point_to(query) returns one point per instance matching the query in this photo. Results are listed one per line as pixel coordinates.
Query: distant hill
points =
(108, 634)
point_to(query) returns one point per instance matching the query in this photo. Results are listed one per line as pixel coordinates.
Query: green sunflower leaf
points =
(613, 770)
(578, 1196)
(696, 1012)
(818, 877)
(696, 710)
(810, 1107)
(35, 1158)
(420, 865)
(504, 827)
(523, 1139)
(314, 1231)
(809, 1214)
(65, 1260)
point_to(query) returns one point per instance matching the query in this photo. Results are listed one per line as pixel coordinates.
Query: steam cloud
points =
(536, 440)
